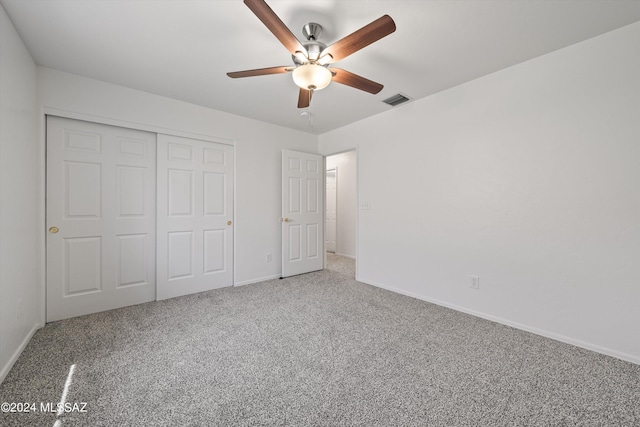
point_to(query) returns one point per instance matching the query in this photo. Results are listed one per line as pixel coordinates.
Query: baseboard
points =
(542, 332)
(346, 256)
(261, 279)
(16, 354)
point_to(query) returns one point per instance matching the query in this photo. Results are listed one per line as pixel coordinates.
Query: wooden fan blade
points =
(275, 25)
(304, 98)
(259, 72)
(347, 78)
(361, 38)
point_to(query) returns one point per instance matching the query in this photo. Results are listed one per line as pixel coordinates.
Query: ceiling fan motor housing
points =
(314, 49)
(311, 32)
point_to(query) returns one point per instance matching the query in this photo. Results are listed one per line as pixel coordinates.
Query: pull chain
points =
(309, 111)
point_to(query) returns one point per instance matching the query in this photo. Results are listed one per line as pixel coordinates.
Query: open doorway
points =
(341, 195)
(331, 214)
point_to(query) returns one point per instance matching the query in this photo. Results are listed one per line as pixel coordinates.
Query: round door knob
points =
(286, 220)
(53, 230)
(229, 223)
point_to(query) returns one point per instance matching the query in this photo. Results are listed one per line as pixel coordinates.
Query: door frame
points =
(42, 184)
(356, 149)
(335, 171)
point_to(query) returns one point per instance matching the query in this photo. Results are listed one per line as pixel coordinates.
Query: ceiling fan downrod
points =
(312, 31)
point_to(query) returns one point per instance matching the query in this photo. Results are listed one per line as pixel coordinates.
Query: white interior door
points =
(330, 211)
(101, 217)
(302, 211)
(195, 214)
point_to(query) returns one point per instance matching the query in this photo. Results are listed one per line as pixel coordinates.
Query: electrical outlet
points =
(269, 257)
(475, 282)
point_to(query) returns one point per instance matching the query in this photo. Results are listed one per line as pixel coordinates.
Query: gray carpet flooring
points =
(314, 350)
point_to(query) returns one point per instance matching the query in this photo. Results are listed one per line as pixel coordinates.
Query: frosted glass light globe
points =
(312, 76)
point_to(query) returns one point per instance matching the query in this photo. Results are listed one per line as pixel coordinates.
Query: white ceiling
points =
(182, 49)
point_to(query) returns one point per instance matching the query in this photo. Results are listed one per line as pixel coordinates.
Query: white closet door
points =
(195, 214)
(101, 217)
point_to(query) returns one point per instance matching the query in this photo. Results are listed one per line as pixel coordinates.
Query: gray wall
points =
(20, 184)
(528, 178)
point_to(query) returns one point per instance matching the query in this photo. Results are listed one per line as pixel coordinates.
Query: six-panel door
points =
(195, 214)
(101, 217)
(302, 212)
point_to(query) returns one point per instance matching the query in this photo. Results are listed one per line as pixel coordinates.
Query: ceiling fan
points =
(312, 58)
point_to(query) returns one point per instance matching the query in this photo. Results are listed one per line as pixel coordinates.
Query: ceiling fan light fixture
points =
(312, 76)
